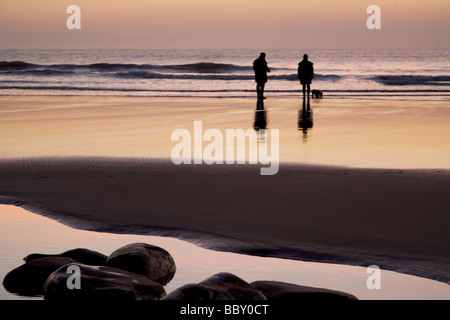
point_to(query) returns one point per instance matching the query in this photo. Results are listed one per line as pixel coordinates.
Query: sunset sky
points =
(224, 24)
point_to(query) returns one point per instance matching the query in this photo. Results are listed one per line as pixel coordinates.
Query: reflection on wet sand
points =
(305, 118)
(260, 122)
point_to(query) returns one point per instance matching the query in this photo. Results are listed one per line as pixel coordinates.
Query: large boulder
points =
(101, 283)
(151, 261)
(81, 255)
(276, 290)
(221, 286)
(29, 278)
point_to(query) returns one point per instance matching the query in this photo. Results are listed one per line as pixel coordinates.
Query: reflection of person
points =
(260, 67)
(260, 116)
(305, 119)
(305, 74)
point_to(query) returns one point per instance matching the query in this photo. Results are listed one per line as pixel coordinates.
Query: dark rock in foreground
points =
(102, 283)
(275, 290)
(29, 278)
(139, 271)
(81, 255)
(221, 286)
(151, 261)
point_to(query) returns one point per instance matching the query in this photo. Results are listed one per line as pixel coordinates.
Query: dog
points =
(317, 94)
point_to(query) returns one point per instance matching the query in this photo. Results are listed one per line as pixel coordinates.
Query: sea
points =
(339, 73)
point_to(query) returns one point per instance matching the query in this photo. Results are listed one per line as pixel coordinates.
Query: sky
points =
(169, 24)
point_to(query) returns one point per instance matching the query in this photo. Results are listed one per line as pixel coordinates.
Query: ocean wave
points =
(408, 80)
(199, 67)
(106, 89)
(181, 76)
(317, 76)
(203, 71)
(37, 72)
(207, 67)
(8, 65)
(224, 77)
(209, 70)
(131, 71)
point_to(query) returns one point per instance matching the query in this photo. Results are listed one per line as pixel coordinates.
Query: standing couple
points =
(305, 74)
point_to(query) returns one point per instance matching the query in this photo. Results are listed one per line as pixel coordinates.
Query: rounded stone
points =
(100, 283)
(151, 261)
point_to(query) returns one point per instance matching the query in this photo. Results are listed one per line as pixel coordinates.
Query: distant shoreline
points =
(420, 95)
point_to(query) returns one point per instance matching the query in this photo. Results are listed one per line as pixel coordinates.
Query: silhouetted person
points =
(305, 119)
(260, 67)
(260, 116)
(305, 74)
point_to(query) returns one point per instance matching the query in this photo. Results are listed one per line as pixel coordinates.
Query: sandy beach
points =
(395, 219)
(357, 189)
(225, 151)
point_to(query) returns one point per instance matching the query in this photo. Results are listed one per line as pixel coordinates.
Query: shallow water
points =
(22, 233)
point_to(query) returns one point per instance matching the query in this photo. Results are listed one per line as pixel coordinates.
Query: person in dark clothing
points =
(260, 67)
(305, 74)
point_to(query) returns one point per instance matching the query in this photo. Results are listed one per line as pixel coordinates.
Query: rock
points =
(29, 278)
(221, 286)
(81, 255)
(102, 283)
(153, 262)
(275, 290)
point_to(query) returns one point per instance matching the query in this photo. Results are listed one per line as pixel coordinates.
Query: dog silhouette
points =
(317, 94)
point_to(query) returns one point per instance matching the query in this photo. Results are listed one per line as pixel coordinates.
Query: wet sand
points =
(395, 219)
(102, 164)
(345, 132)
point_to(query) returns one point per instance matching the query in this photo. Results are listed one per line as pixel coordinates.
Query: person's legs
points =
(309, 89)
(260, 90)
(304, 90)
